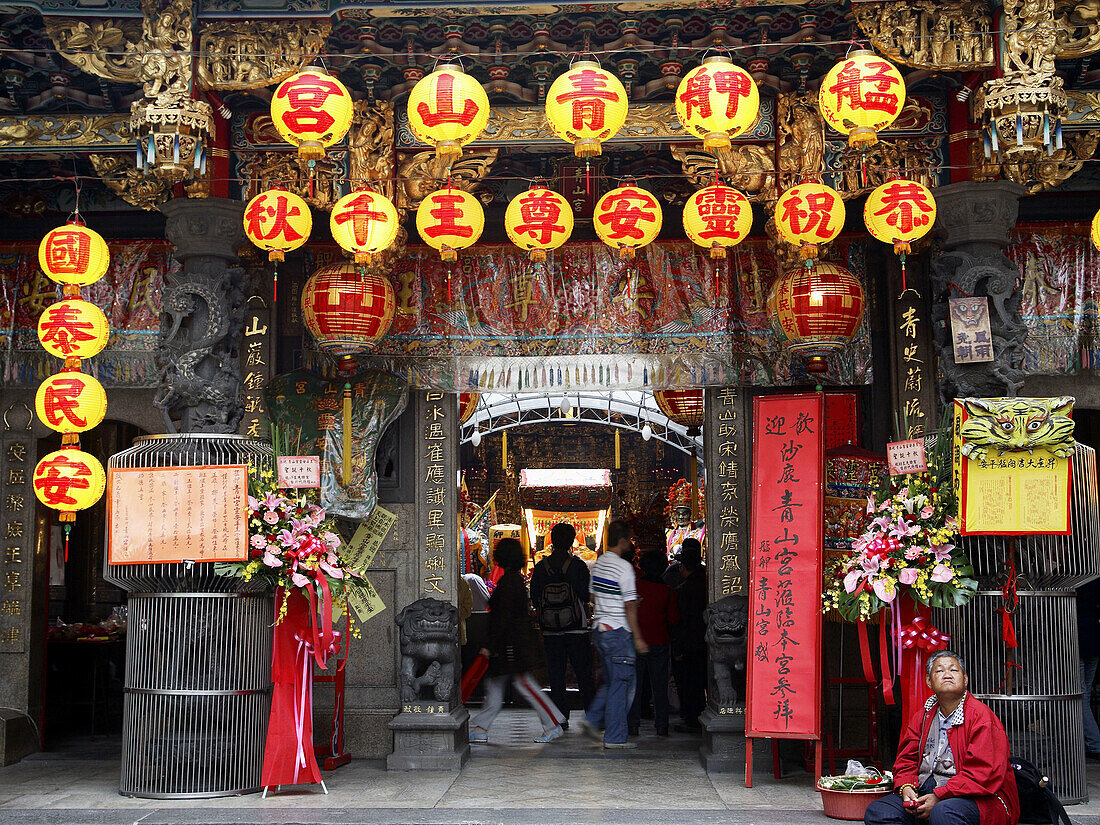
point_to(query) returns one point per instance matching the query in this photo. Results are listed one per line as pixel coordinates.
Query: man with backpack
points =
(560, 593)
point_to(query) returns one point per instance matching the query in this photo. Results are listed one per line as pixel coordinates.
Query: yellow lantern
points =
(73, 254)
(73, 329)
(538, 220)
(70, 402)
(717, 217)
(448, 109)
(278, 221)
(586, 106)
(627, 218)
(1096, 230)
(717, 101)
(809, 214)
(449, 220)
(860, 96)
(69, 480)
(898, 212)
(364, 223)
(312, 110)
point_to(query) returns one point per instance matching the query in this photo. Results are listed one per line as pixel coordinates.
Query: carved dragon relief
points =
(750, 168)
(98, 46)
(121, 176)
(929, 34)
(1078, 27)
(421, 173)
(1041, 173)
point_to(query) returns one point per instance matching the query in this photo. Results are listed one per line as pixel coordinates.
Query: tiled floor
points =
(509, 780)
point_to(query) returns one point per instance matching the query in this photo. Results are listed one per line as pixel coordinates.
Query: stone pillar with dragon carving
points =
(202, 318)
(974, 221)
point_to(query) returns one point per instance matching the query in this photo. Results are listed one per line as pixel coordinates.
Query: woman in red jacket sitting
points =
(952, 766)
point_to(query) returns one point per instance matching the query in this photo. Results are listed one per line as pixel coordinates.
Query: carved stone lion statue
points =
(429, 650)
(727, 638)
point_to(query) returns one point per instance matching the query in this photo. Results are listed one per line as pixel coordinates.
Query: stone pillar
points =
(431, 731)
(202, 318)
(22, 564)
(727, 445)
(974, 220)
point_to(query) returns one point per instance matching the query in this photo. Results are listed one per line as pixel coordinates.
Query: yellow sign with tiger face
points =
(1012, 465)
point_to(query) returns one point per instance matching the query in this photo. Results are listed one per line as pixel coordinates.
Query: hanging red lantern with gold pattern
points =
(449, 220)
(69, 480)
(448, 109)
(538, 220)
(467, 403)
(312, 110)
(74, 254)
(808, 215)
(685, 407)
(627, 218)
(717, 217)
(73, 329)
(898, 212)
(70, 402)
(817, 309)
(364, 223)
(860, 96)
(586, 106)
(717, 101)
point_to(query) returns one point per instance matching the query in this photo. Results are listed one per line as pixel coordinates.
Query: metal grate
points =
(198, 654)
(184, 450)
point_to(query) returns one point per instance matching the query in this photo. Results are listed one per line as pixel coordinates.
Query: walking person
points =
(690, 646)
(657, 612)
(560, 593)
(617, 638)
(513, 649)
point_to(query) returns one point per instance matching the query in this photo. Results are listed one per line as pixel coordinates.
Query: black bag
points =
(561, 608)
(1038, 804)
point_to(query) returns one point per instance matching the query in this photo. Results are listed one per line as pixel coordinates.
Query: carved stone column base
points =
(424, 741)
(723, 748)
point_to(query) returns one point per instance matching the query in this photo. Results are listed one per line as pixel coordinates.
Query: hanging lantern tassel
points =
(863, 167)
(617, 463)
(808, 251)
(901, 249)
(504, 450)
(312, 165)
(276, 256)
(68, 528)
(347, 433)
(587, 176)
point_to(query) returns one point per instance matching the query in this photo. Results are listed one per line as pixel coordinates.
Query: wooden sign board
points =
(299, 471)
(175, 514)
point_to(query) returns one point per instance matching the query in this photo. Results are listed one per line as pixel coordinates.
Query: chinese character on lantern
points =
(538, 220)
(277, 221)
(899, 212)
(860, 96)
(716, 101)
(70, 402)
(717, 217)
(448, 109)
(73, 329)
(73, 254)
(364, 223)
(809, 214)
(449, 220)
(312, 110)
(586, 106)
(69, 480)
(627, 218)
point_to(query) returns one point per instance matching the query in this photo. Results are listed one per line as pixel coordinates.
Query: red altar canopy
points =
(784, 667)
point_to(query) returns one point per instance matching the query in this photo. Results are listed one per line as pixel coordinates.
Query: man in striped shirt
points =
(617, 637)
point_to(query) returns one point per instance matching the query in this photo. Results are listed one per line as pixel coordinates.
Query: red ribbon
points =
(922, 634)
(1011, 602)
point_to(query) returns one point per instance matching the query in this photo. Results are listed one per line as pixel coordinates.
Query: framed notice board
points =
(175, 514)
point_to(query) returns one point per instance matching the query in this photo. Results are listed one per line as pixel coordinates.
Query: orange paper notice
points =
(174, 514)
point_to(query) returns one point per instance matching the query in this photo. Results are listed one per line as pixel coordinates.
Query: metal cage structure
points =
(1035, 688)
(198, 653)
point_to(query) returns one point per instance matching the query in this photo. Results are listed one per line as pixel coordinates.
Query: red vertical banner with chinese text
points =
(784, 668)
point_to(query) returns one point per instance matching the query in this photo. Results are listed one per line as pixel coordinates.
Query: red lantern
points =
(685, 407)
(818, 310)
(467, 403)
(347, 312)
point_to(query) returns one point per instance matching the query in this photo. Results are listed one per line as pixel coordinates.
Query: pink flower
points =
(902, 528)
(271, 560)
(335, 572)
(942, 552)
(272, 501)
(942, 573)
(851, 581)
(908, 575)
(950, 523)
(882, 523)
(271, 518)
(914, 553)
(331, 539)
(299, 580)
(259, 542)
(884, 589)
(870, 505)
(253, 503)
(927, 512)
